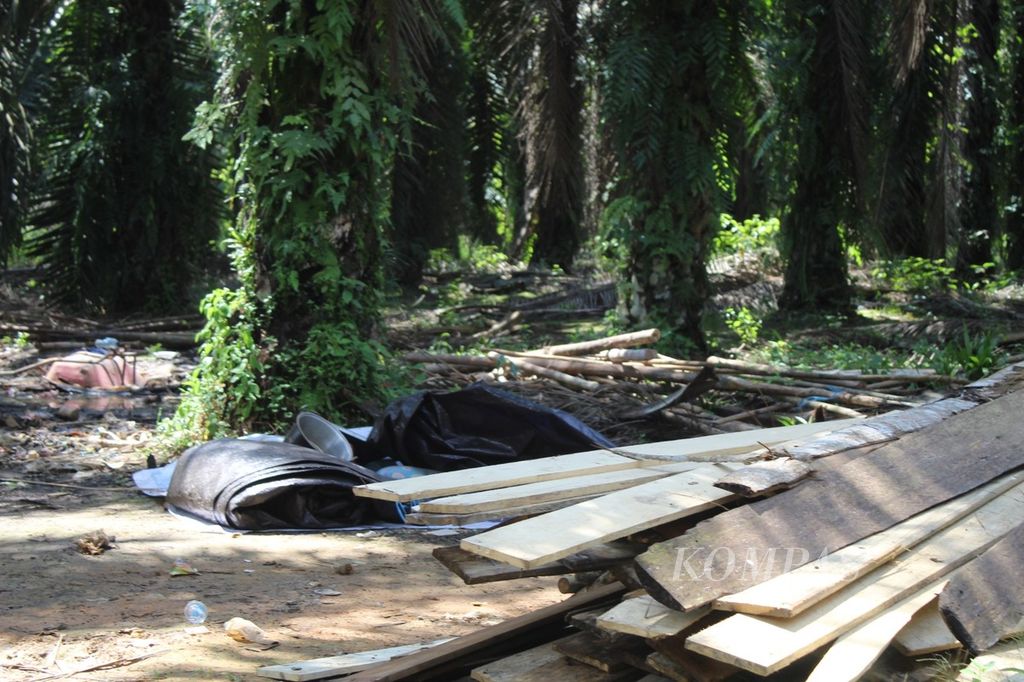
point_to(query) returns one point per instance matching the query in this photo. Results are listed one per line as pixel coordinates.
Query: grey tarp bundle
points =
(252, 485)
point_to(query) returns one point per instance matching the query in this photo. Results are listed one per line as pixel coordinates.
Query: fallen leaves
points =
(95, 543)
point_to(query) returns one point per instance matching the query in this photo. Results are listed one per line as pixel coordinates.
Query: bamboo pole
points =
(630, 340)
(546, 372)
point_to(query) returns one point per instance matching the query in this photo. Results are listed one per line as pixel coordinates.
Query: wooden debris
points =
(527, 367)
(504, 632)
(537, 540)
(706, 448)
(442, 519)
(547, 491)
(589, 650)
(644, 617)
(544, 664)
(764, 478)
(926, 633)
(984, 601)
(474, 569)
(628, 340)
(765, 645)
(497, 476)
(838, 506)
(793, 592)
(880, 429)
(333, 666)
(853, 654)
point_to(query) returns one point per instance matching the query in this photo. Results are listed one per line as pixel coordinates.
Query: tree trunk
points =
(828, 172)
(980, 215)
(555, 137)
(1015, 201)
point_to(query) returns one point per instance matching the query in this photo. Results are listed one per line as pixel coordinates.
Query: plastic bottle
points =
(195, 612)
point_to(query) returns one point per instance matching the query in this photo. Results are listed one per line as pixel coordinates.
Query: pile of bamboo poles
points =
(752, 392)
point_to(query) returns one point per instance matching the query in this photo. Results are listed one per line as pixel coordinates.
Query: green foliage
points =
(841, 356)
(916, 274)
(972, 356)
(313, 103)
(471, 256)
(755, 235)
(744, 324)
(923, 275)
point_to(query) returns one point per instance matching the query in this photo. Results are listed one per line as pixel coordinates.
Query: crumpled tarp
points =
(251, 485)
(476, 426)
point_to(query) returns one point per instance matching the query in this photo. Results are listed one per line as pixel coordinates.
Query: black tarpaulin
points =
(476, 426)
(252, 485)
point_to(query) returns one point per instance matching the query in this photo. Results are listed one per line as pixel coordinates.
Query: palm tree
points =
(671, 91)
(21, 82)
(916, 69)
(831, 111)
(313, 105)
(979, 211)
(536, 46)
(125, 207)
(1015, 143)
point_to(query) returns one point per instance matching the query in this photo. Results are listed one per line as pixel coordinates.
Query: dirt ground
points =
(318, 594)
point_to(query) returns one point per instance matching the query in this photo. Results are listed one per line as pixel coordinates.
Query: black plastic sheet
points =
(252, 485)
(476, 426)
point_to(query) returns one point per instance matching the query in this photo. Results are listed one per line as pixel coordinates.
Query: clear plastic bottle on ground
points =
(195, 612)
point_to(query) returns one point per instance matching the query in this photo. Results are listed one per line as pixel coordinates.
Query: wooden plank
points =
(475, 569)
(644, 617)
(704, 448)
(667, 667)
(854, 653)
(879, 429)
(418, 519)
(765, 645)
(547, 491)
(496, 476)
(765, 478)
(791, 593)
(458, 648)
(837, 507)
(694, 667)
(541, 539)
(332, 666)
(926, 633)
(589, 650)
(985, 600)
(545, 664)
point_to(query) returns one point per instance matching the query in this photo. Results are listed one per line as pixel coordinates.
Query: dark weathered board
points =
(984, 601)
(423, 663)
(837, 506)
(475, 569)
(593, 651)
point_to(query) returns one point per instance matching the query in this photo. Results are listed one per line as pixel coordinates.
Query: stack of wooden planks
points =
(798, 551)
